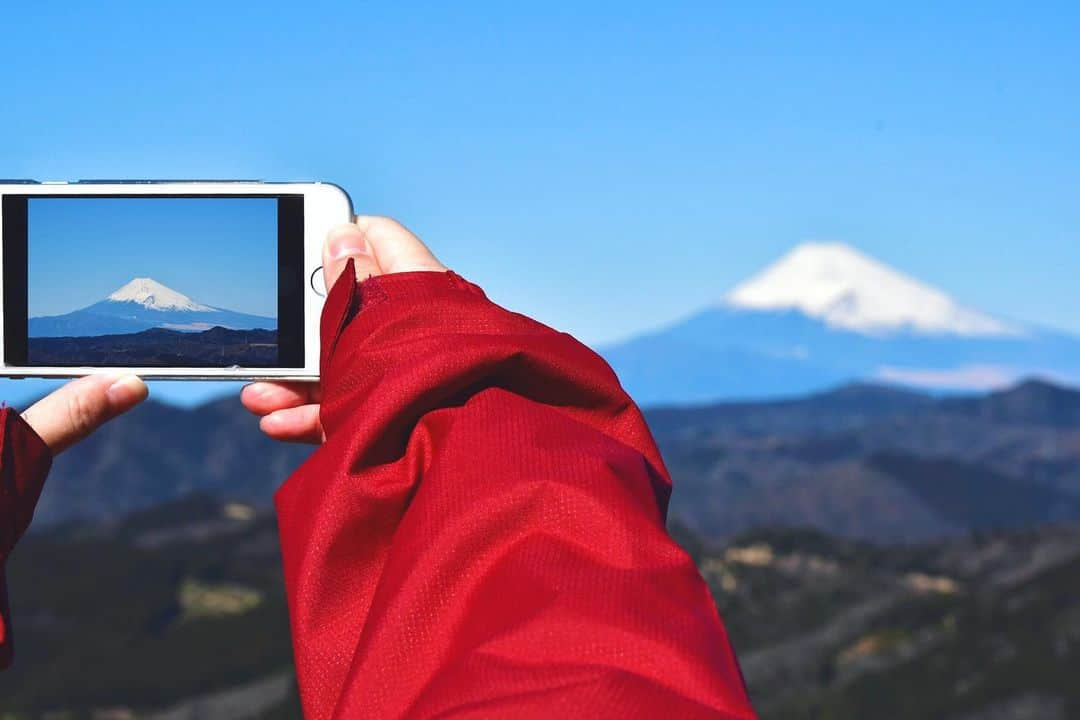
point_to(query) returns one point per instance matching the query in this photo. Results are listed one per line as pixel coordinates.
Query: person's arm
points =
(482, 534)
(27, 445)
(24, 463)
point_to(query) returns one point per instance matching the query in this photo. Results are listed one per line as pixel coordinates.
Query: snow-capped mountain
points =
(142, 304)
(825, 314)
(846, 289)
(153, 295)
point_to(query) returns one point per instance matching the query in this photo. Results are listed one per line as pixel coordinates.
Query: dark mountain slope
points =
(873, 462)
(159, 452)
(846, 406)
(179, 612)
(976, 497)
(862, 461)
(158, 347)
(1032, 402)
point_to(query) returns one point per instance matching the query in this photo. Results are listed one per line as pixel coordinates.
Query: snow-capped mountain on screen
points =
(825, 314)
(153, 295)
(142, 304)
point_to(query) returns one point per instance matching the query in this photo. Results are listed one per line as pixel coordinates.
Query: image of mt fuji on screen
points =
(154, 282)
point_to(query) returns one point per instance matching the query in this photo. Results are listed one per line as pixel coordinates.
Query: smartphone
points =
(207, 280)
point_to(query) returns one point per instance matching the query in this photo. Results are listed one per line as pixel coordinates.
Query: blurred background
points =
(831, 250)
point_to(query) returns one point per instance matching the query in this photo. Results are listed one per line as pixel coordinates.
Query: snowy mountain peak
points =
(846, 289)
(154, 296)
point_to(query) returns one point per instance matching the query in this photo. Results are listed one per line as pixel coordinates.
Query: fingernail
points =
(257, 389)
(126, 390)
(347, 241)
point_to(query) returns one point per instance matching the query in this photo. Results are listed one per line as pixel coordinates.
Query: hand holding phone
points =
(377, 246)
(70, 413)
(180, 280)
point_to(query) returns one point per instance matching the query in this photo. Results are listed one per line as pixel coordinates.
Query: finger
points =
(378, 246)
(298, 424)
(342, 243)
(69, 414)
(263, 398)
(395, 247)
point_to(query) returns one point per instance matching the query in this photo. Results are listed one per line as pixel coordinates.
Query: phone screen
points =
(154, 281)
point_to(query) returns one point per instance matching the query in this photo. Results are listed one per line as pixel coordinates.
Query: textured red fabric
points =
(24, 463)
(483, 532)
(481, 535)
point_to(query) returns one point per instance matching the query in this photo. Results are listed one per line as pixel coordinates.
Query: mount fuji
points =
(826, 314)
(143, 304)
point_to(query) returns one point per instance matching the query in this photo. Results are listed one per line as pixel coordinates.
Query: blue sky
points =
(605, 167)
(219, 252)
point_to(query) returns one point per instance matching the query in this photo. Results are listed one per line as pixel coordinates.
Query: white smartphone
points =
(167, 279)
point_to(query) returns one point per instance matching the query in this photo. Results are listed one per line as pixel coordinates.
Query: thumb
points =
(69, 414)
(377, 246)
(342, 243)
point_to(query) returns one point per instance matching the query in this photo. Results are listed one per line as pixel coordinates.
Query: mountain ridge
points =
(876, 463)
(774, 337)
(143, 304)
(812, 461)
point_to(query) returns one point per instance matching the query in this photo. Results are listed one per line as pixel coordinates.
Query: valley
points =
(976, 627)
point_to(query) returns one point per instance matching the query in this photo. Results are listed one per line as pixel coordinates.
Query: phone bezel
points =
(325, 206)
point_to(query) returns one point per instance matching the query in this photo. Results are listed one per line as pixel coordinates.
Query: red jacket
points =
(24, 462)
(483, 532)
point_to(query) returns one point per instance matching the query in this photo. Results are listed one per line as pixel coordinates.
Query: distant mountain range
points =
(872, 462)
(144, 304)
(160, 452)
(825, 625)
(860, 461)
(826, 314)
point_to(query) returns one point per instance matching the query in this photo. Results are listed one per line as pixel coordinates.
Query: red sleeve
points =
(483, 532)
(24, 463)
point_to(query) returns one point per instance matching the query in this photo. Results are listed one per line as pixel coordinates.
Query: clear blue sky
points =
(218, 252)
(606, 167)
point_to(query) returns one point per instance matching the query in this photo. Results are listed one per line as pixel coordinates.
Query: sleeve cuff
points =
(25, 460)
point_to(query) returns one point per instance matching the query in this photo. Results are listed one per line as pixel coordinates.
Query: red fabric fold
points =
(481, 535)
(483, 532)
(24, 463)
